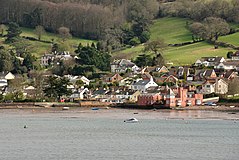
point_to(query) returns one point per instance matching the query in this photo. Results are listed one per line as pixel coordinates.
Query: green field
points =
(39, 48)
(173, 30)
(190, 53)
(232, 39)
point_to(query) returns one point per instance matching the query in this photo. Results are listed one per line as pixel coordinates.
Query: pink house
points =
(171, 97)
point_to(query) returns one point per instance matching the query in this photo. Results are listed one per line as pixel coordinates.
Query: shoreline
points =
(221, 113)
(53, 106)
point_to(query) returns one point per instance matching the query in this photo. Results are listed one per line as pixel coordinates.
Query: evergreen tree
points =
(56, 87)
(28, 61)
(13, 32)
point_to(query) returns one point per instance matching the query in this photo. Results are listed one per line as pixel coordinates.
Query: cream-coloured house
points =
(218, 86)
(134, 97)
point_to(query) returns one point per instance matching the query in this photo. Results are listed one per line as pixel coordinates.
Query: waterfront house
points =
(80, 94)
(218, 86)
(142, 85)
(171, 97)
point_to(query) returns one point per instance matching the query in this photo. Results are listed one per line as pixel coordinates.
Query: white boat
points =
(131, 120)
(65, 108)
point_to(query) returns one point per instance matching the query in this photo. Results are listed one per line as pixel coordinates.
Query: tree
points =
(198, 30)
(38, 82)
(39, 31)
(64, 33)
(157, 48)
(28, 61)
(6, 60)
(91, 56)
(16, 88)
(2, 29)
(13, 32)
(56, 87)
(215, 27)
(143, 60)
(229, 54)
(233, 87)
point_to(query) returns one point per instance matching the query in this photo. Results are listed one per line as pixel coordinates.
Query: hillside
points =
(173, 30)
(39, 48)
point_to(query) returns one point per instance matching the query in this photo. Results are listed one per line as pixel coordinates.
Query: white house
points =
(46, 59)
(235, 56)
(3, 82)
(142, 85)
(81, 93)
(209, 61)
(228, 65)
(73, 79)
(121, 66)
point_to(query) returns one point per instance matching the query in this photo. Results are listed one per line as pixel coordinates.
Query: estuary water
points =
(61, 137)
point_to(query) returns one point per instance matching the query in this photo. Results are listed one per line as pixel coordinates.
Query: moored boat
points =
(131, 120)
(65, 108)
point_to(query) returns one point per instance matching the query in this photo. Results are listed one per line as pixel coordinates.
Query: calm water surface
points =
(69, 138)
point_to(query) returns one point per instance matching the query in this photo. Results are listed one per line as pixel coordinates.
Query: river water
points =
(61, 137)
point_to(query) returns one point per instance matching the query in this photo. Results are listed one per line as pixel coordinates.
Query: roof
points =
(208, 72)
(212, 59)
(123, 62)
(231, 63)
(236, 54)
(141, 82)
(228, 74)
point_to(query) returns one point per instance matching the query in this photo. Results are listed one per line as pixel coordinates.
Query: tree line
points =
(198, 10)
(87, 19)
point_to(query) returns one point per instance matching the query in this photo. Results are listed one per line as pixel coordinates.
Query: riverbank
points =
(119, 113)
(59, 106)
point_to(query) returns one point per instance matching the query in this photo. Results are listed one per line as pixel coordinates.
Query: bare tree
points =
(157, 48)
(233, 87)
(39, 31)
(216, 27)
(2, 29)
(64, 33)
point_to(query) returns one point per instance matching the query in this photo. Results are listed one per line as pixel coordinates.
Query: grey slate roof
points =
(141, 82)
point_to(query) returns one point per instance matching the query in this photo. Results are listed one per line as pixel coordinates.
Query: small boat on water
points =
(131, 120)
(65, 108)
(94, 109)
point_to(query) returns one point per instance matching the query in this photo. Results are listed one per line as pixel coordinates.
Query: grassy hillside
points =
(40, 48)
(232, 39)
(173, 30)
(190, 53)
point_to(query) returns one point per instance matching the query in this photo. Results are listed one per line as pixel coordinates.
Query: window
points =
(208, 86)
